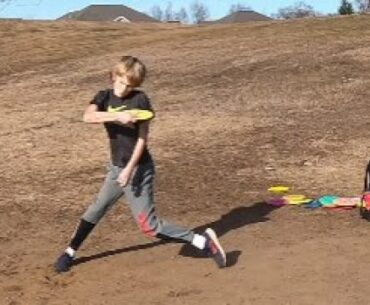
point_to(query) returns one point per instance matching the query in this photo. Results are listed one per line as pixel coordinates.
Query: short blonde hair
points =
(131, 67)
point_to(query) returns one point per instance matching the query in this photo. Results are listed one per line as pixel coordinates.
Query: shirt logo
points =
(115, 109)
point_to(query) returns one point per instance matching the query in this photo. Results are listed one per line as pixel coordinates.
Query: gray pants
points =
(139, 195)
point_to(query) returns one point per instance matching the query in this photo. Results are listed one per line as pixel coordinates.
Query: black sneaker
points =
(214, 249)
(64, 263)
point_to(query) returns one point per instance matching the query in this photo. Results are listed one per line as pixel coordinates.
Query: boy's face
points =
(121, 86)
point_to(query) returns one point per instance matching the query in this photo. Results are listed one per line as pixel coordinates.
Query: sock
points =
(81, 233)
(199, 241)
(70, 252)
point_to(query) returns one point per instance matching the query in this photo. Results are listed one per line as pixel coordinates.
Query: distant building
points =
(117, 13)
(174, 21)
(240, 17)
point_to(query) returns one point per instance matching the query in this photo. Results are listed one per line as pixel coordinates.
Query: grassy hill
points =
(239, 108)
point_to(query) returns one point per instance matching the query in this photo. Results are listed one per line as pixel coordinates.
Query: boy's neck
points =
(122, 95)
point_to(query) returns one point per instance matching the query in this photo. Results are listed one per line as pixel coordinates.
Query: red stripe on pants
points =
(144, 224)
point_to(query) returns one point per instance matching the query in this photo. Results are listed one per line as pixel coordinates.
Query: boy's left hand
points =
(124, 176)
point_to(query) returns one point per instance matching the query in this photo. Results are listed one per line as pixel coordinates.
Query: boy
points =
(131, 171)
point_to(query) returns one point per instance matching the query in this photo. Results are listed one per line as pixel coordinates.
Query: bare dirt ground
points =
(239, 108)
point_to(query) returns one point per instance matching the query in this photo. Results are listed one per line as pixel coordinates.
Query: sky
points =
(52, 9)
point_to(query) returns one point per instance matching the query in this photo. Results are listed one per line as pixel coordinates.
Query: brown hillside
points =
(239, 108)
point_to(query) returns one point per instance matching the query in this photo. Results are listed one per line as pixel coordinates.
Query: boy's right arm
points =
(92, 115)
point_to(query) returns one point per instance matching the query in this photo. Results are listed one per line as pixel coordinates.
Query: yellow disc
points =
(278, 189)
(297, 202)
(296, 199)
(140, 114)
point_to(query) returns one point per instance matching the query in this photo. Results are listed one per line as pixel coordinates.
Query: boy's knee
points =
(94, 213)
(148, 225)
(92, 216)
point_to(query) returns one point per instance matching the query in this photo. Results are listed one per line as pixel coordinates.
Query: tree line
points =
(198, 12)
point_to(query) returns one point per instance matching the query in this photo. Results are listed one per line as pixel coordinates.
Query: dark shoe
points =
(64, 263)
(214, 249)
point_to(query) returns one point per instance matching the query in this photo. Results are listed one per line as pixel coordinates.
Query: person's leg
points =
(106, 198)
(139, 194)
(108, 195)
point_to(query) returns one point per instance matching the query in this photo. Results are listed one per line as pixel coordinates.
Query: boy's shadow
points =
(235, 219)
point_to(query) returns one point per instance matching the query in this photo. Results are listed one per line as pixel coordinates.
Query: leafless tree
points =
(157, 13)
(182, 15)
(168, 13)
(363, 5)
(199, 12)
(298, 10)
(239, 7)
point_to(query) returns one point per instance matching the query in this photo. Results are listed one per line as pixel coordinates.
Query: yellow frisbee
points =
(296, 199)
(140, 114)
(278, 189)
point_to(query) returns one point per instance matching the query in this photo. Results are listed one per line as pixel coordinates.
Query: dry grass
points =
(296, 89)
(40, 43)
(240, 107)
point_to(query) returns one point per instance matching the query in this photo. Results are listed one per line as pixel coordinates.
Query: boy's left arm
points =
(126, 173)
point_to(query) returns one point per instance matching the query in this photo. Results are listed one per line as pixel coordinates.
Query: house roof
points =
(107, 13)
(243, 16)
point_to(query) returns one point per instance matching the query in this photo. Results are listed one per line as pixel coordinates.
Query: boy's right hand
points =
(125, 118)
